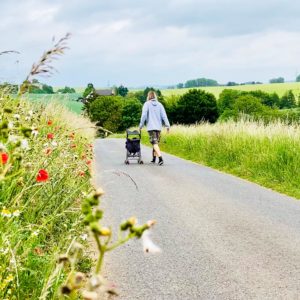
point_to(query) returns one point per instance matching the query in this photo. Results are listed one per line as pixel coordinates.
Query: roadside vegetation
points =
(45, 160)
(48, 204)
(266, 154)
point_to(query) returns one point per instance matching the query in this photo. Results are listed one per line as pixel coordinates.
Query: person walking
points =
(155, 116)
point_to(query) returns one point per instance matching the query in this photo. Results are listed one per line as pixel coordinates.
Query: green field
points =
(68, 100)
(279, 88)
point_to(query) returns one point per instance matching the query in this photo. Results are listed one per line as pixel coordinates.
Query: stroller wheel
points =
(141, 162)
(126, 162)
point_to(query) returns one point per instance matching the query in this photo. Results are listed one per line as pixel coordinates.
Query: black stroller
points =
(133, 146)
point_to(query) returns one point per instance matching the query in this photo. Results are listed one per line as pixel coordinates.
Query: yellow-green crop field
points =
(279, 88)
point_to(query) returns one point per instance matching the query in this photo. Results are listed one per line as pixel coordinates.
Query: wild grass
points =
(266, 154)
(40, 215)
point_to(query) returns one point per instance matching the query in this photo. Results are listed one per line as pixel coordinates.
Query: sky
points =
(157, 42)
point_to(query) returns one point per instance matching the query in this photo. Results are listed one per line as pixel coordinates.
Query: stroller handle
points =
(134, 132)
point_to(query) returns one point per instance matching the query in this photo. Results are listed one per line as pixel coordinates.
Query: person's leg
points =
(157, 149)
(152, 139)
(153, 156)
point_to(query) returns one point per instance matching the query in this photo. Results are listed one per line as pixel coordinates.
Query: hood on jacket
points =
(154, 101)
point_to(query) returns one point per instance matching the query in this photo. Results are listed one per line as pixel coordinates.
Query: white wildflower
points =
(17, 116)
(4, 251)
(2, 147)
(54, 143)
(30, 113)
(148, 245)
(16, 213)
(96, 281)
(28, 118)
(12, 139)
(24, 144)
(34, 132)
(10, 125)
(84, 237)
(35, 233)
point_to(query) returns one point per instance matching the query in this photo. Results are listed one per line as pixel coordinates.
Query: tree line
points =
(116, 113)
(35, 87)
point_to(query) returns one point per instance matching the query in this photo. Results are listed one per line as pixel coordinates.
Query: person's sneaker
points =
(153, 160)
(160, 161)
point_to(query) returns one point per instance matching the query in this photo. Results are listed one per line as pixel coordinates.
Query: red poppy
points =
(72, 135)
(42, 176)
(83, 156)
(50, 136)
(88, 162)
(50, 123)
(73, 146)
(4, 158)
(81, 173)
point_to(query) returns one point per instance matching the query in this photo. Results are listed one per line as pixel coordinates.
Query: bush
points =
(107, 112)
(131, 113)
(196, 106)
(171, 103)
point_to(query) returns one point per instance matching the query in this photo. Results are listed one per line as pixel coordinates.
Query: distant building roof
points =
(107, 92)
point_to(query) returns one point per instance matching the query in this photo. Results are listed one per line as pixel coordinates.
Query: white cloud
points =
(129, 42)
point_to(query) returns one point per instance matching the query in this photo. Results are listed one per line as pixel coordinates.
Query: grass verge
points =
(266, 154)
(45, 157)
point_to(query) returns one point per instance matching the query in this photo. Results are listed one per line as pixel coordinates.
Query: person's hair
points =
(151, 95)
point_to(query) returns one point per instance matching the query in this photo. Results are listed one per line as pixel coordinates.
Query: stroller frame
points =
(136, 139)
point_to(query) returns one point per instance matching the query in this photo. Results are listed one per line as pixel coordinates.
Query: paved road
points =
(222, 237)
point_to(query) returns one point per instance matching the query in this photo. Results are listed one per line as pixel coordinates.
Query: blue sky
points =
(136, 42)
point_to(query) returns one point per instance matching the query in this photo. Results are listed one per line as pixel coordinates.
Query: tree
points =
(122, 90)
(47, 89)
(90, 88)
(196, 106)
(131, 113)
(249, 105)
(180, 86)
(298, 78)
(287, 100)
(277, 80)
(142, 95)
(66, 90)
(267, 99)
(199, 82)
(231, 83)
(227, 99)
(107, 112)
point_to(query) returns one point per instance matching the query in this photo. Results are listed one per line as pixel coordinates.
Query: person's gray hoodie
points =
(154, 115)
